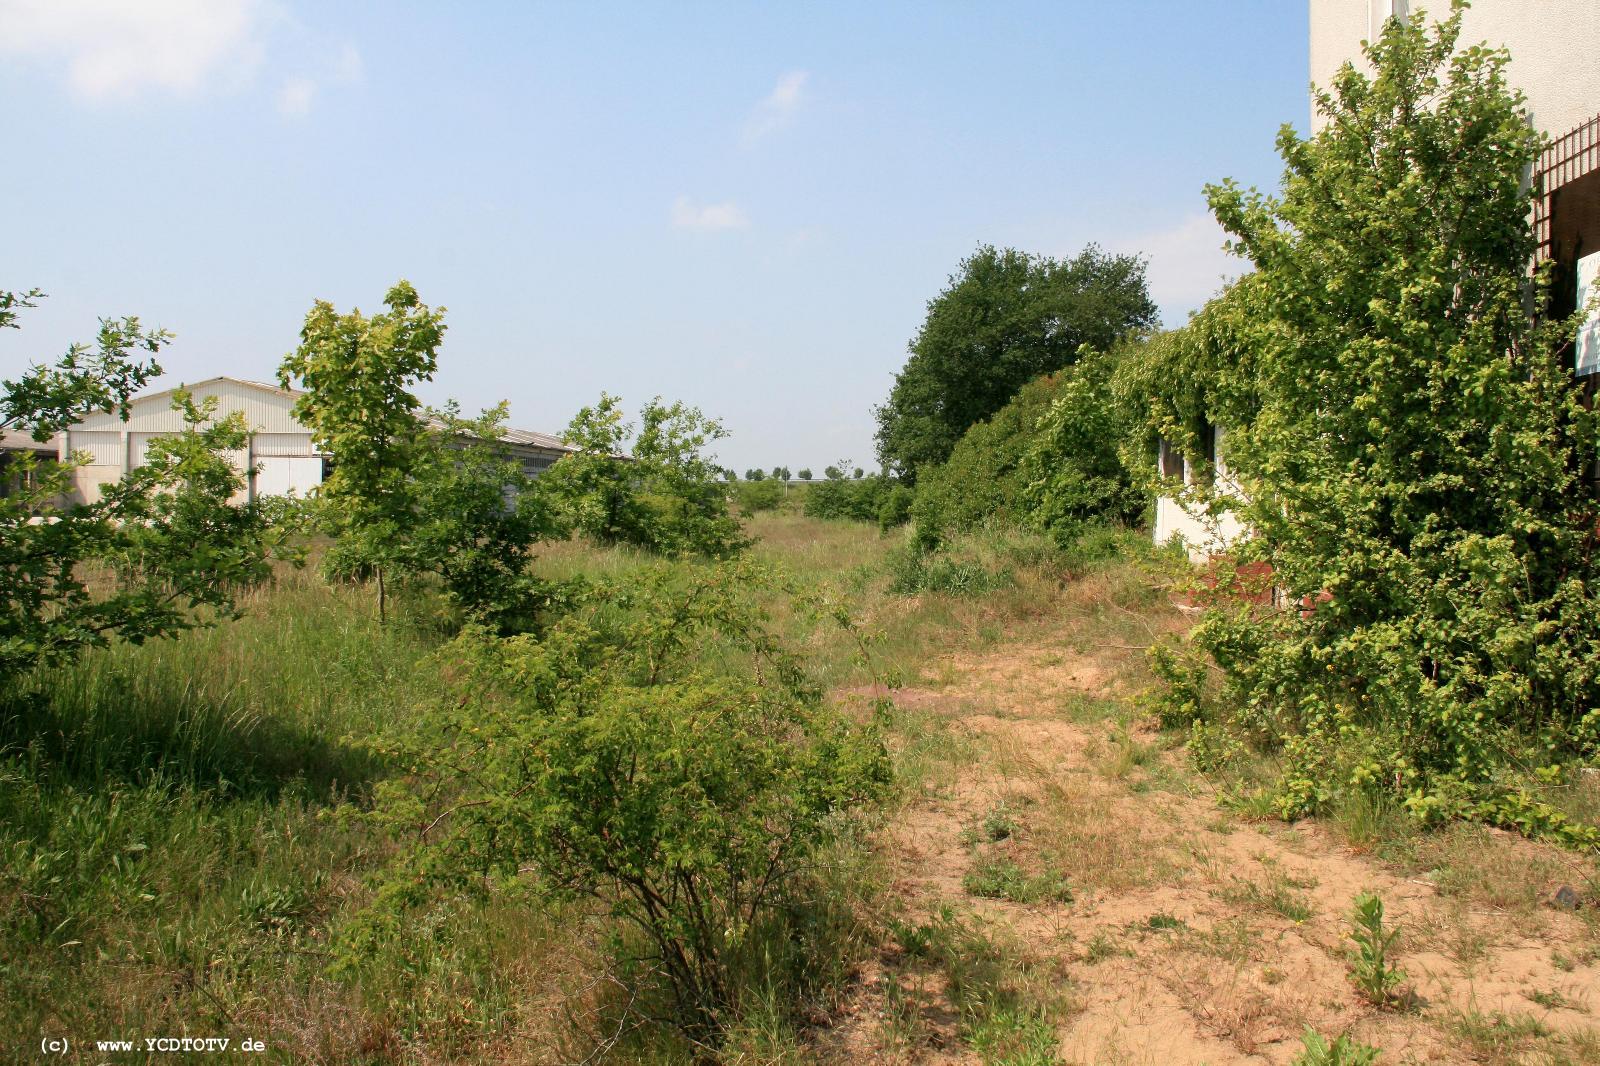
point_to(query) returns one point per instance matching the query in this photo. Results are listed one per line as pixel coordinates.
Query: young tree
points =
(475, 517)
(166, 533)
(804, 473)
(1005, 318)
(664, 496)
(358, 373)
(1410, 449)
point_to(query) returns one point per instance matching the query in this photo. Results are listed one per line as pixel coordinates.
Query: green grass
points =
(1000, 877)
(170, 858)
(163, 865)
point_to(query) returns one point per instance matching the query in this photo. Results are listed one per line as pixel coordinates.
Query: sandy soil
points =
(1191, 936)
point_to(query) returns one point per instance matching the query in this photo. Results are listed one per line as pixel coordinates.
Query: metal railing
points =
(1569, 157)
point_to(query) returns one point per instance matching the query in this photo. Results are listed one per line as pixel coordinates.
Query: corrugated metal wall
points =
(266, 410)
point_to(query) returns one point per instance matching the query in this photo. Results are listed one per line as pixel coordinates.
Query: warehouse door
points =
(279, 475)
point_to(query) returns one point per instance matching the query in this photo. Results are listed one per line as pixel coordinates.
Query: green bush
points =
(896, 507)
(665, 496)
(1411, 451)
(914, 568)
(754, 497)
(1073, 473)
(983, 479)
(857, 499)
(615, 761)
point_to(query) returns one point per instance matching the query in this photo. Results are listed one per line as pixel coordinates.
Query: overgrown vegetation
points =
(612, 760)
(662, 494)
(1005, 318)
(169, 550)
(1410, 452)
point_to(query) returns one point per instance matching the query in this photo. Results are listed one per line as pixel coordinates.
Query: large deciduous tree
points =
(1005, 318)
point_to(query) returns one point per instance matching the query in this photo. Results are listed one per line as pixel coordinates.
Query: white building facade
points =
(1555, 62)
(280, 456)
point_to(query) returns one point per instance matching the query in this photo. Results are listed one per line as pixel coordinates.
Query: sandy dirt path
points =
(1191, 935)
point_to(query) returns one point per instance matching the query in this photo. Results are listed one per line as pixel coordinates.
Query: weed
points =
(1101, 947)
(1278, 895)
(1162, 922)
(1375, 977)
(1497, 1037)
(1015, 1036)
(1344, 1051)
(1550, 999)
(1001, 878)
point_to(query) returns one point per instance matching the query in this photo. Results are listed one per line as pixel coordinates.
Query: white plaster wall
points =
(1203, 535)
(1555, 48)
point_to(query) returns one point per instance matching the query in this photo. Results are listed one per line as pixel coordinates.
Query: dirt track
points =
(1191, 935)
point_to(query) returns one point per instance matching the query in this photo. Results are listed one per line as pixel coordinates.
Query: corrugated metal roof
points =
(526, 437)
(16, 441)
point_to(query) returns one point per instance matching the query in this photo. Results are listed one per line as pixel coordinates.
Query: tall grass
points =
(170, 862)
(161, 856)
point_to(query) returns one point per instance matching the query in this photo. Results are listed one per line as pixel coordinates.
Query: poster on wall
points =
(1589, 332)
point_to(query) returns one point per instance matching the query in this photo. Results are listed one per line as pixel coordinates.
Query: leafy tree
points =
(663, 497)
(1005, 318)
(858, 473)
(615, 763)
(358, 373)
(832, 473)
(1410, 449)
(730, 475)
(474, 518)
(780, 473)
(755, 475)
(804, 473)
(174, 550)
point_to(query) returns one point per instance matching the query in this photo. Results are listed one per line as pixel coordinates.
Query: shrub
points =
(836, 497)
(614, 761)
(915, 568)
(475, 516)
(665, 497)
(983, 478)
(754, 497)
(1073, 473)
(1411, 451)
(895, 510)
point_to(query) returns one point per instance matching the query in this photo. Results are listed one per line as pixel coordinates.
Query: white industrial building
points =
(280, 455)
(1552, 46)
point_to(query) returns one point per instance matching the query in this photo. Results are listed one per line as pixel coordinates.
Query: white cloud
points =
(1188, 264)
(348, 67)
(294, 99)
(686, 215)
(779, 105)
(120, 47)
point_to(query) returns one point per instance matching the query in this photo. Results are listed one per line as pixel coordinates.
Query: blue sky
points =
(745, 206)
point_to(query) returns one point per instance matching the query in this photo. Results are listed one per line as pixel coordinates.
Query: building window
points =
(1170, 460)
